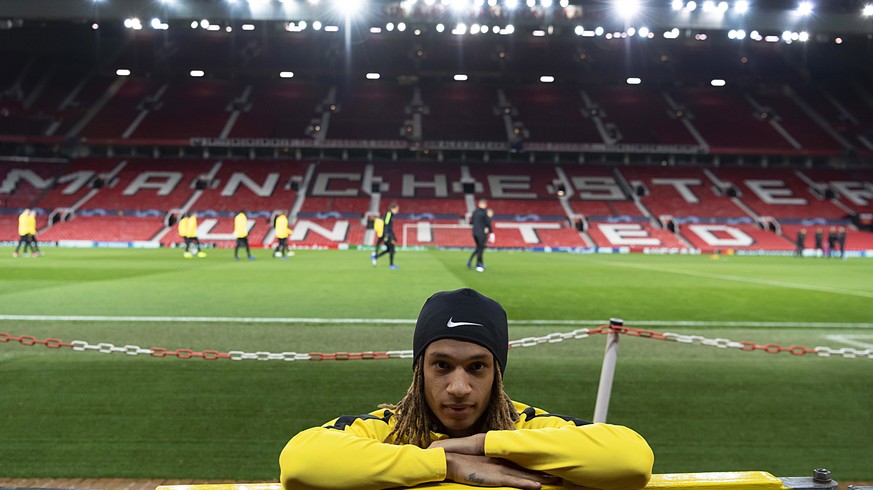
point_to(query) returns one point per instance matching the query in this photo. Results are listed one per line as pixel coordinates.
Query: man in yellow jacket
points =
(282, 233)
(456, 424)
(192, 236)
(241, 230)
(182, 227)
(23, 232)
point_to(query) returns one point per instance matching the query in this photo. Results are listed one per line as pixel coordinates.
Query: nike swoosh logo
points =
(453, 324)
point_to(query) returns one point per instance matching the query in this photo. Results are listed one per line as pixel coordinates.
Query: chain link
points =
(720, 343)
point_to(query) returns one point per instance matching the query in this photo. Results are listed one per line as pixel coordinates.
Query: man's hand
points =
(466, 463)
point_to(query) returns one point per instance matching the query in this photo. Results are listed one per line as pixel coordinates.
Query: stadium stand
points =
(781, 146)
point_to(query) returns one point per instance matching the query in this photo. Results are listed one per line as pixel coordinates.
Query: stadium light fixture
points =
(538, 33)
(316, 25)
(677, 5)
(723, 7)
(440, 27)
(348, 8)
(213, 27)
(248, 27)
(805, 8)
(95, 26)
(531, 3)
(644, 32)
(194, 24)
(546, 3)
(373, 76)
(547, 79)
(867, 11)
(627, 9)
(691, 6)
(460, 29)
(708, 6)
(286, 74)
(389, 27)
(511, 4)
(197, 73)
(122, 72)
(331, 28)
(741, 7)
(460, 77)
(717, 82)
(803, 36)
(204, 23)
(401, 26)
(634, 81)
(375, 30)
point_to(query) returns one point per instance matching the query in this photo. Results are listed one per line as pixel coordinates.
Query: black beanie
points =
(463, 314)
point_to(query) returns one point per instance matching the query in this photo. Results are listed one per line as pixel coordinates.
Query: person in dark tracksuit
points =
(388, 237)
(481, 232)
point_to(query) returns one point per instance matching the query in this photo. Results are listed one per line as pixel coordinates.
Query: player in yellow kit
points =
(456, 424)
(31, 231)
(241, 231)
(23, 232)
(282, 233)
(182, 227)
(193, 241)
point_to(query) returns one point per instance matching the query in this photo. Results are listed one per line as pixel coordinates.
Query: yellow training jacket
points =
(192, 227)
(282, 230)
(240, 226)
(23, 224)
(349, 453)
(183, 227)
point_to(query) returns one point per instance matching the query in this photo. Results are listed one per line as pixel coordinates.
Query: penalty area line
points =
(410, 322)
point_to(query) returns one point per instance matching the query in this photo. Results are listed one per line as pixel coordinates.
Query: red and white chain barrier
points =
(210, 355)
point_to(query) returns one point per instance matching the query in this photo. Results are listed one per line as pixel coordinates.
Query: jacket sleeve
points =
(356, 458)
(609, 457)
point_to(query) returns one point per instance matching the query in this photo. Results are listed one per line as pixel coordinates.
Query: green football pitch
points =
(65, 413)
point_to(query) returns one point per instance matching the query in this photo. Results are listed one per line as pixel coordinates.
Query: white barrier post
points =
(607, 371)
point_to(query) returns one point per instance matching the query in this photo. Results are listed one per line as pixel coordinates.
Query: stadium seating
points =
(104, 229)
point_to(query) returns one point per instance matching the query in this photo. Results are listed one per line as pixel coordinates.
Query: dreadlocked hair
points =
(415, 421)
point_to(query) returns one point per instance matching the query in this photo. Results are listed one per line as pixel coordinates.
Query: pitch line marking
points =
(410, 322)
(851, 340)
(766, 282)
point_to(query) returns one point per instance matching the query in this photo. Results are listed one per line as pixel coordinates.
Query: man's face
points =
(458, 377)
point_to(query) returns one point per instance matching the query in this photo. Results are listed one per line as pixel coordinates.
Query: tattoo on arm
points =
(472, 478)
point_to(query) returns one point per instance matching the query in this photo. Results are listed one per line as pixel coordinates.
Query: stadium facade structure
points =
(544, 124)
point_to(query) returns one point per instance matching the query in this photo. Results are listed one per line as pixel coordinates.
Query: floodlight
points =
(331, 28)
(286, 74)
(531, 3)
(598, 31)
(538, 33)
(805, 8)
(868, 10)
(316, 25)
(627, 8)
(708, 6)
(95, 26)
(631, 31)
(460, 29)
(677, 4)
(401, 26)
(204, 23)
(197, 73)
(634, 81)
(579, 30)
(547, 79)
(348, 7)
(460, 77)
(440, 27)
(194, 24)
(375, 30)
(511, 4)
(459, 5)
(373, 76)
(248, 27)
(717, 83)
(213, 27)
(803, 37)
(644, 32)
(741, 7)
(122, 72)
(546, 3)
(389, 26)
(691, 6)
(723, 7)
